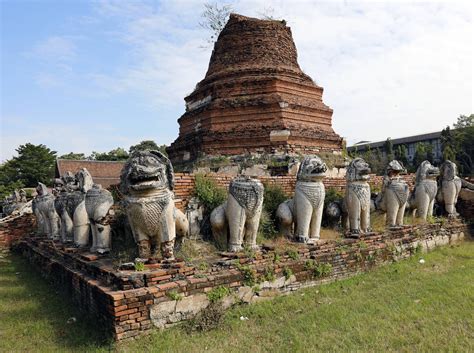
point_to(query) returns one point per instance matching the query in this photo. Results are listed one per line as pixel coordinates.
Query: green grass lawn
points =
(406, 306)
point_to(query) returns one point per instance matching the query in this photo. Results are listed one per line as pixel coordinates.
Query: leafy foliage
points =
(218, 293)
(73, 156)
(208, 192)
(117, 154)
(34, 163)
(147, 145)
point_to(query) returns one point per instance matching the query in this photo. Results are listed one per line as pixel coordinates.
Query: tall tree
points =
(148, 145)
(74, 156)
(117, 154)
(34, 163)
(389, 149)
(401, 154)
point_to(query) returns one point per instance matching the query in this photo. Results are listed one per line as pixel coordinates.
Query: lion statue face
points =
(42, 190)
(147, 170)
(426, 171)
(395, 168)
(449, 170)
(358, 170)
(312, 168)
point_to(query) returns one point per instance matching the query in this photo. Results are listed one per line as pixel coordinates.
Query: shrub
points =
(173, 295)
(139, 266)
(248, 274)
(293, 254)
(208, 192)
(272, 198)
(218, 293)
(269, 274)
(287, 272)
(266, 227)
(318, 269)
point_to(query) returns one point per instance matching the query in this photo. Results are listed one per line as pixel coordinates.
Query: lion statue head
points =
(426, 171)
(311, 168)
(42, 190)
(147, 170)
(358, 170)
(394, 168)
(449, 170)
(84, 180)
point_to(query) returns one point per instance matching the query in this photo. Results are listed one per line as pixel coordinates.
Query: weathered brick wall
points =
(184, 184)
(130, 303)
(13, 228)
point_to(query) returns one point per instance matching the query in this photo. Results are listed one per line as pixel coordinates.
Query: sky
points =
(82, 76)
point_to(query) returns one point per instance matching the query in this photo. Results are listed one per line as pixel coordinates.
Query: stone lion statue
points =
(44, 209)
(423, 196)
(98, 202)
(304, 212)
(356, 203)
(449, 187)
(76, 207)
(236, 221)
(63, 186)
(147, 182)
(394, 195)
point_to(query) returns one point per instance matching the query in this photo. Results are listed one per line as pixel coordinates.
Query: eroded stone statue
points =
(305, 210)
(48, 219)
(423, 197)
(394, 195)
(147, 182)
(64, 186)
(98, 202)
(356, 204)
(77, 208)
(235, 222)
(450, 186)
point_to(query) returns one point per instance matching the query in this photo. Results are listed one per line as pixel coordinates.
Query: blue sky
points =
(92, 76)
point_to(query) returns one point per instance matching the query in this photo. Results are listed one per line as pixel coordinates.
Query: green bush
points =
(209, 192)
(333, 195)
(218, 293)
(273, 196)
(287, 272)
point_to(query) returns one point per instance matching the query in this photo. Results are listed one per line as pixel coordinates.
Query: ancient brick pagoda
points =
(254, 99)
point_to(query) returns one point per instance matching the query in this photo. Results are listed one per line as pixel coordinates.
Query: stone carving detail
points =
(450, 186)
(239, 215)
(304, 211)
(46, 213)
(63, 187)
(98, 202)
(356, 204)
(76, 207)
(423, 197)
(147, 181)
(394, 195)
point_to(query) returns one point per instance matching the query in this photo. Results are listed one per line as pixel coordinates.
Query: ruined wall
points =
(13, 228)
(131, 303)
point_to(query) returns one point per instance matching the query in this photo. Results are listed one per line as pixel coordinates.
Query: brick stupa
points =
(254, 99)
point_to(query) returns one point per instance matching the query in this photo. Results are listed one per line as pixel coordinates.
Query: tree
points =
(420, 154)
(464, 136)
(389, 149)
(34, 163)
(401, 154)
(118, 154)
(74, 156)
(148, 145)
(215, 17)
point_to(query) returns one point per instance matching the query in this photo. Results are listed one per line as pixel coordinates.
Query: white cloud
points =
(55, 48)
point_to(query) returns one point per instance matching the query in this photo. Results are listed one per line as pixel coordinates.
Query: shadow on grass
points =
(33, 307)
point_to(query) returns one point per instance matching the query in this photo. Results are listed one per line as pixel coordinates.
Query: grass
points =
(406, 306)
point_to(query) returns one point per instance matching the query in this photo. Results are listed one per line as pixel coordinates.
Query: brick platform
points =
(130, 303)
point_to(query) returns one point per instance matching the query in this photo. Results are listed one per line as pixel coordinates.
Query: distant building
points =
(434, 139)
(105, 173)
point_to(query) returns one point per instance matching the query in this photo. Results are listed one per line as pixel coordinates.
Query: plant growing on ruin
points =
(269, 274)
(249, 275)
(139, 266)
(218, 293)
(208, 192)
(173, 295)
(214, 18)
(287, 272)
(293, 254)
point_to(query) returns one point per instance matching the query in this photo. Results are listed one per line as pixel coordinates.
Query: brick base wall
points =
(131, 303)
(14, 228)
